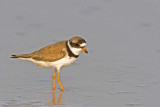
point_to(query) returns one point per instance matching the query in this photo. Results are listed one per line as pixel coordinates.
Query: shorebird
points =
(56, 55)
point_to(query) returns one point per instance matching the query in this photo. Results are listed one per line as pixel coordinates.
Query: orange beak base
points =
(84, 50)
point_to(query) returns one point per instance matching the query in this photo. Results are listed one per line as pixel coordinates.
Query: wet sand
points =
(121, 69)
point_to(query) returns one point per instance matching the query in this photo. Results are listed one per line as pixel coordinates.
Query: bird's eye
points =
(77, 44)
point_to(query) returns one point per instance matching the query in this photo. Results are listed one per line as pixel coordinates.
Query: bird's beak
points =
(84, 50)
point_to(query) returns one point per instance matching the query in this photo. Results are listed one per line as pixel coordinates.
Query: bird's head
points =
(77, 45)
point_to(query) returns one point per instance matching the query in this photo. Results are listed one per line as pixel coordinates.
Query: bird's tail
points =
(21, 56)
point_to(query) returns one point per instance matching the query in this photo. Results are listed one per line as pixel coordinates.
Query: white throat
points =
(74, 50)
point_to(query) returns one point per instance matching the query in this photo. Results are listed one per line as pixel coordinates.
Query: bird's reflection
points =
(54, 99)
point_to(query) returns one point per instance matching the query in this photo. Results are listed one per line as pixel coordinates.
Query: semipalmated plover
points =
(56, 55)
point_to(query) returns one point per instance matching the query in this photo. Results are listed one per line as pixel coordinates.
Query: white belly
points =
(56, 64)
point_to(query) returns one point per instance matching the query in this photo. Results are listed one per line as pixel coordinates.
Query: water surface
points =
(121, 69)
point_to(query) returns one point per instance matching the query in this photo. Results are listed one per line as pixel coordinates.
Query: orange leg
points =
(53, 79)
(59, 81)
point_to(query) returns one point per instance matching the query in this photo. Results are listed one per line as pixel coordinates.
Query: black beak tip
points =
(86, 52)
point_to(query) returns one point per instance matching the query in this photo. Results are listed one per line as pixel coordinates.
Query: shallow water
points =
(121, 69)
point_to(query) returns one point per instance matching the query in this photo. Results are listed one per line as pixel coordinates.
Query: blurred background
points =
(122, 68)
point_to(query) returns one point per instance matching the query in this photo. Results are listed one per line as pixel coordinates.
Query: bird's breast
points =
(68, 60)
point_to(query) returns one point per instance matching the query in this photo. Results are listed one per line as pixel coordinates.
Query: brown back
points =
(51, 52)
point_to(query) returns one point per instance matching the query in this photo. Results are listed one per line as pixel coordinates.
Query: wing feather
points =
(50, 53)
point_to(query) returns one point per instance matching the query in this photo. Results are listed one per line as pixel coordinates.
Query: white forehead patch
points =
(83, 44)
